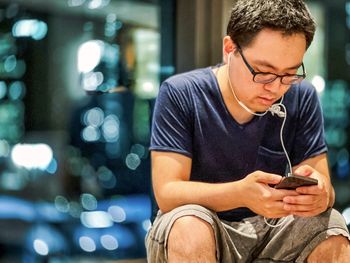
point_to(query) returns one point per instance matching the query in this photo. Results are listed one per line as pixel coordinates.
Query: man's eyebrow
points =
(269, 65)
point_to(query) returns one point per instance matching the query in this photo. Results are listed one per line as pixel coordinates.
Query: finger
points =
(301, 208)
(309, 190)
(285, 192)
(304, 170)
(279, 195)
(268, 178)
(277, 213)
(279, 210)
(301, 200)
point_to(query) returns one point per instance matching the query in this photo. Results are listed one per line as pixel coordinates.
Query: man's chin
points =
(261, 109)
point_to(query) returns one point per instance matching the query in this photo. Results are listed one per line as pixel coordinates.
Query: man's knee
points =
(191, 235)
(333, 249)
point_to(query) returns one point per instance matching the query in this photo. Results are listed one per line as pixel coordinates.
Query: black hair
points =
(249, 17)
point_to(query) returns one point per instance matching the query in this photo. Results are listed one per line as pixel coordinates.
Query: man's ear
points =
(228, 46)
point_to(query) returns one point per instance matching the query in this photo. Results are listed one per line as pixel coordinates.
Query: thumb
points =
(268, 178)
(304, 170)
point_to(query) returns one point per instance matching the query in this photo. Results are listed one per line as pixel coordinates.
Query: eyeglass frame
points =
(299, 77)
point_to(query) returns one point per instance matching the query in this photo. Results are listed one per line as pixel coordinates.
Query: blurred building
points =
(78, 79)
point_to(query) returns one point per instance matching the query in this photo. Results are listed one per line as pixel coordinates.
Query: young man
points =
(222, 137)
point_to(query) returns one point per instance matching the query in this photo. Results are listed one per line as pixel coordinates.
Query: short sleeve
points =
(172, 120)
(310, 137)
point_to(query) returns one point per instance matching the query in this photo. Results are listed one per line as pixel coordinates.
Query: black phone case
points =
(294, 181)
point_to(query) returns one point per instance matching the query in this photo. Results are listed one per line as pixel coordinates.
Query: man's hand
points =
(263, 199)
(312, 200)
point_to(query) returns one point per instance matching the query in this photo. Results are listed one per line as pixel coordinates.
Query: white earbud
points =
(276, 109)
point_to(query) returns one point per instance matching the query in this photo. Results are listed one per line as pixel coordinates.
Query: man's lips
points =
(266, 100)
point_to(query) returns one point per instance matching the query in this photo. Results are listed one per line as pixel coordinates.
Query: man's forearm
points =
(218, 197)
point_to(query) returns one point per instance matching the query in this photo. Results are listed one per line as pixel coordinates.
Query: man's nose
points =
(274, 86)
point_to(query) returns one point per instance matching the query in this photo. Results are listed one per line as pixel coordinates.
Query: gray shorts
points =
(251, 240)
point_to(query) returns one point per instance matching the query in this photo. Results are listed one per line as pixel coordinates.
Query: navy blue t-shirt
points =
(191, 118)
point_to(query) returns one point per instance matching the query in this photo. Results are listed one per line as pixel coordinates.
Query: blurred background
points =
(78, 80)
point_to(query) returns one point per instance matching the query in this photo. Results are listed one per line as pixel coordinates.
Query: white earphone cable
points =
(274, 109)
(283, 114)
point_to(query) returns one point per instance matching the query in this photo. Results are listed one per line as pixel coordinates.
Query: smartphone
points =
(294, 181)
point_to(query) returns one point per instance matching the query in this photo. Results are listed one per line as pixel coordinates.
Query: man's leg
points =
(191, 240)
(177, 235)
(335, 249)
(322, 238)
(192, 233)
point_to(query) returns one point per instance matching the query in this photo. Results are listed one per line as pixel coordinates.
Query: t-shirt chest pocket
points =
(271, 161)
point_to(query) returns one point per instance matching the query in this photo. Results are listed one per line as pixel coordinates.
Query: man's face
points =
(272, 52)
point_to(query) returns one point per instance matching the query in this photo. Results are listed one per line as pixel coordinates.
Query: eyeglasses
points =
(268, 77)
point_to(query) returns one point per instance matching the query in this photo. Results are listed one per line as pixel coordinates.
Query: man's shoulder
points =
(301, 92)
(305, 87)
(306, 84)
(189, 79)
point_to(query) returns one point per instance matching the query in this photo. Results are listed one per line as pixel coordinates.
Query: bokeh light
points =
(91, 134)
(3, 89)
(87, 244)
(88, 201)
(109, 242)
(110, 128)
(61, 204)
(75, 209)
(319, 83)
(33, 28)
(93, 117)
(17, 90)
(32, 156)
(118, 213)
(132, 161)
(4, 148)
(96, 219)
(41, 247)
(89, 55)
(74, 3)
